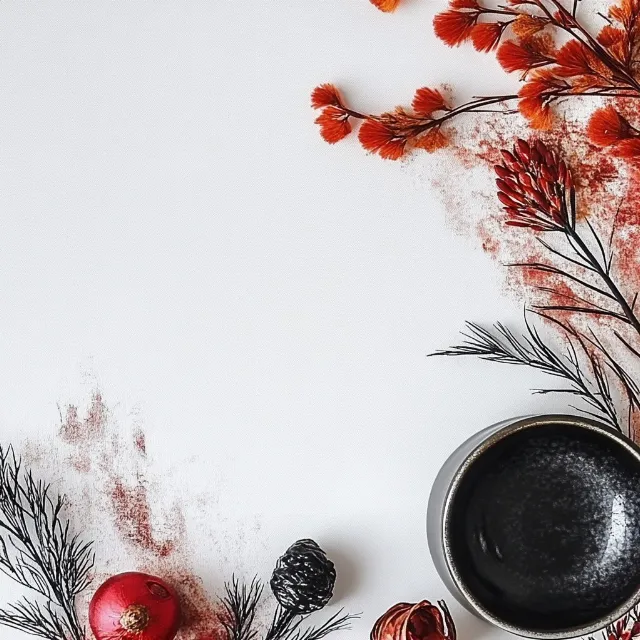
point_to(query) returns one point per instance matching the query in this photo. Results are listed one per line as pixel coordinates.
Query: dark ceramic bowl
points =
(535, 526)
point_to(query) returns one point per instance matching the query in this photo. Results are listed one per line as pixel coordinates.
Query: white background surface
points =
(175, 233)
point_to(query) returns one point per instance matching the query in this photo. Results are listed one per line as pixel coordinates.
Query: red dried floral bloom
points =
(386, 5)
(464, 4)
(427, 100)
(334, 124)
(526, 55)
(627, 149)
(537, 95)
(526, 25)
(575, 59)
(431, 141)
(325, 95)
(454, 27)
(607, 127)
(535, 188)
(380, 137)
(610, 35)
(486, 35)
(421, 621)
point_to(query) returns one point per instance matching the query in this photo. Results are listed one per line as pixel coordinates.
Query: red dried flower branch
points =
(391, 134)
(536, 189)
(603, 65)
(385, 5)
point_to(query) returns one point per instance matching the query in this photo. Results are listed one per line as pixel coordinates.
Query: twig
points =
(501, 345)
(39, 552)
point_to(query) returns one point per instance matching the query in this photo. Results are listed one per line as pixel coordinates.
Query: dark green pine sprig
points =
(302, 583)
(39, 552)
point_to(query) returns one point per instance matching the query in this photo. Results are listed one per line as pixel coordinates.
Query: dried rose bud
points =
(421, 621)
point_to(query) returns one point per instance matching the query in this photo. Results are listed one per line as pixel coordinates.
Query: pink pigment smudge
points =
(97, 455)
(134, 520)
(91, 428)
(140, 442)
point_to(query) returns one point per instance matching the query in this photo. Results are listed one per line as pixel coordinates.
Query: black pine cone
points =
(303, 579)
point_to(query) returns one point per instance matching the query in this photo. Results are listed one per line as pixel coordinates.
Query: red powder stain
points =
(140, 442)
(199, 614)
(92, 428)
(80, 464)
(159, 552)
(594, 173)
(133, 518)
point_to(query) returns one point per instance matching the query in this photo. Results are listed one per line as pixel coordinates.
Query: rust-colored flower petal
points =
(431, 141)
(386, 5)
(486, 35)
(575, 59)
(379, 137)
(464, 4)
(427, 100)
(526, 25)
(606, 127)
(324, 96)
(610, 35)
(627, 149)
(334, 124)
(524, 56)
(454, 27)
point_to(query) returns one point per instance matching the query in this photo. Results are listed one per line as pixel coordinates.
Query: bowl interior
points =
(545, 527)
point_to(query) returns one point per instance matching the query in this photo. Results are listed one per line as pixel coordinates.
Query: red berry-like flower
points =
(535, 188)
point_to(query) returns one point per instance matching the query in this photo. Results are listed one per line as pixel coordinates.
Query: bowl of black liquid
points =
(534, 525)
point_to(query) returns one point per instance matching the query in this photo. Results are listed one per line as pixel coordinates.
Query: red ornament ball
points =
(134, 606)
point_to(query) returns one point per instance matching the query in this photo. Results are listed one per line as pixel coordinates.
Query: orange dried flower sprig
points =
(586, 65)
(391, 134)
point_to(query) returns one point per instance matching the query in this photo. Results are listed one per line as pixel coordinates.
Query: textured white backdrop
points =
(175, 235)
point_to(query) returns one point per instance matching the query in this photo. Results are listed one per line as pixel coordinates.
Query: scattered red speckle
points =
(116, 471)
(133, 518)
(199, 614)
(140, 441)
(80, 463)
(91, 428)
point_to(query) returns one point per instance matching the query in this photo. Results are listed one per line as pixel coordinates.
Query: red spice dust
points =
(199, 614)
(92, 428)
(593, 172)
(140, 442)
(94, 439)
(133, 518)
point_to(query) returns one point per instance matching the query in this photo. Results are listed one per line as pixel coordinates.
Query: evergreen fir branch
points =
(501, 345)
(284, 624)
(39, 552)
(240, 604)
(337, 622)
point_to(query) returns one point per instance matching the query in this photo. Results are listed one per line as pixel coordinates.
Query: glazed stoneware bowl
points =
(534, 525)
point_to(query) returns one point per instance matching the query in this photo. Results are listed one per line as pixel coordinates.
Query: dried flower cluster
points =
(523, 34)
(420, 621)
